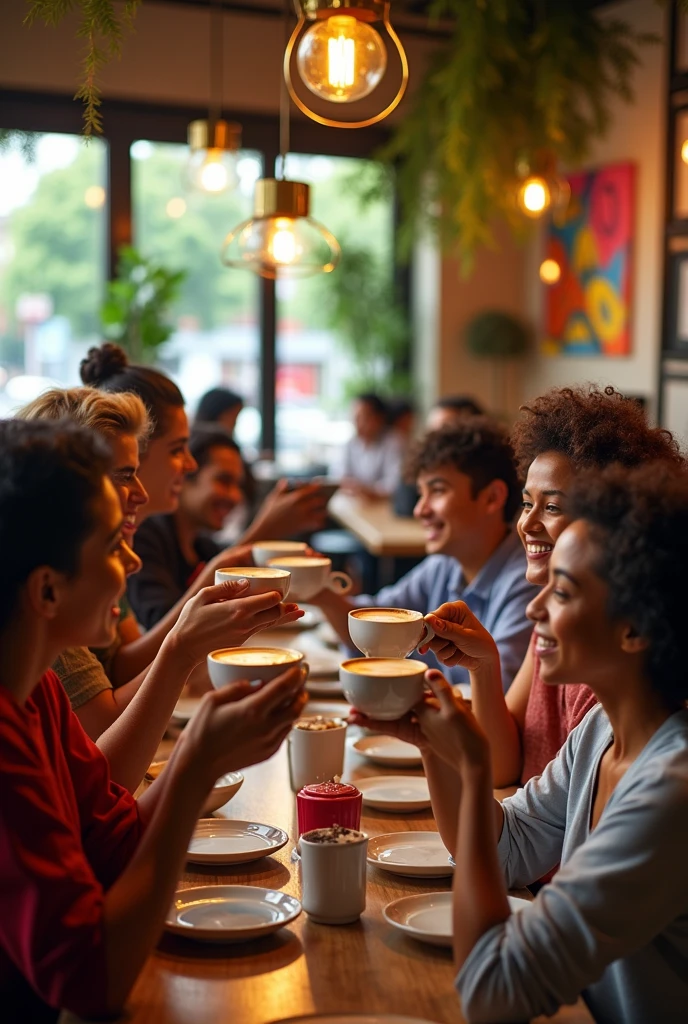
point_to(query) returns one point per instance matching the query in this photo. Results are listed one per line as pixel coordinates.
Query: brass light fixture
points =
(540, 187)
(213, 142)
(341, 57)
(281, 239)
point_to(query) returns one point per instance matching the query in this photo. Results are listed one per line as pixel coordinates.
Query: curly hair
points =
(639, 517)
(476, 446)
(592, 427)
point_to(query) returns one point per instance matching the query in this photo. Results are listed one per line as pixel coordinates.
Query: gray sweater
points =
(613, 924)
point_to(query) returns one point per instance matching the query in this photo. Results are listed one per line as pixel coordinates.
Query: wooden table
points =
(306, 968)
(375, 524)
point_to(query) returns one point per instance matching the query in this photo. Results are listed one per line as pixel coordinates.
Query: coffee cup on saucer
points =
(261, 580)
(388, 632)
(310, 575)
(230, 664)
(264, 550)
(383, 688)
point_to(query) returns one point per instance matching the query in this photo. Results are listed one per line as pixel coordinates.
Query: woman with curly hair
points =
(561, 433)
(612, 807)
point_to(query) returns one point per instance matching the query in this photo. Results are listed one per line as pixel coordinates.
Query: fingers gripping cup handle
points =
(428, 634)
(340, 583)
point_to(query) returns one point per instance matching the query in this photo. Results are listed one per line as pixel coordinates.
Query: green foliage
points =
(102, 25)
(496, 335)
(517, 77)
(25, 142)
(136, 307)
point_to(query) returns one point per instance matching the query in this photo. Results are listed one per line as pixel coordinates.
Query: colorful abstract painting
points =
(588, 310)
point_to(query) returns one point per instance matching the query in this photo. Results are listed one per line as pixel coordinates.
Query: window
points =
(52, 261)
(216, 339)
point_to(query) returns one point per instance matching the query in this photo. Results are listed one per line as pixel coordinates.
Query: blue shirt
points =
(498, 596)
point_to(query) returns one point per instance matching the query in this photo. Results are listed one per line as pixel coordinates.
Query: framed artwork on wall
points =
(588, 308)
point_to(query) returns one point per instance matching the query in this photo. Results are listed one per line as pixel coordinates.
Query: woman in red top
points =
(86, 872)
(563, 431)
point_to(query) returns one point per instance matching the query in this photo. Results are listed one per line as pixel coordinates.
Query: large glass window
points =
(327, 346)
(216, 340)
(52, 260)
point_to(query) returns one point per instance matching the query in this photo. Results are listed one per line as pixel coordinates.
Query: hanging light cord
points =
(217, 70)
(284, 111)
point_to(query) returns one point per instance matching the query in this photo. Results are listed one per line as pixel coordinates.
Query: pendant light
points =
(541, 187)
(213, 143)
(281, 239)
(341, 57)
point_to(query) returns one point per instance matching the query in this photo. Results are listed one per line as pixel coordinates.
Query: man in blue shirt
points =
(469, 494)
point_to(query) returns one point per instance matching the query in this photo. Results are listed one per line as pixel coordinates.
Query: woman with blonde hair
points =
(128, 720)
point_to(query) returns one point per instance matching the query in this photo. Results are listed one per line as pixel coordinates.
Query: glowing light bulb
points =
(213, 174)
(684, 152)
(341, 58)
(550, 271)
(282, 245)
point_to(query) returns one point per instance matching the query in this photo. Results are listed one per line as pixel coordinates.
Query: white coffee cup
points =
(264, 550)
(310, 575)
(229, 664)
(388, 632)
(384, 688)
(260, 580)
(315, 755)
(333, 876)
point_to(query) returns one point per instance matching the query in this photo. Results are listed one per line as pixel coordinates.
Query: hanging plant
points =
(496, 335)
(102, 25)
(518, 77)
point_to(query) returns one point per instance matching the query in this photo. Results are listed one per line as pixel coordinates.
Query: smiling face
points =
(124, 476)
(215, 490)
(448, 511)
(575, 638)
(544, 516)
(165, 464)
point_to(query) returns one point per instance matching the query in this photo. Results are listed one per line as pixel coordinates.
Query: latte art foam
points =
(255, 571)
(253, 656)
(378, 668)
(386, 615)
(298, 561)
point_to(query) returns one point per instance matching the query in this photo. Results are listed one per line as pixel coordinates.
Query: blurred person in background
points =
(449, 411)
(372, 460)
(402, 417)
(220, 406)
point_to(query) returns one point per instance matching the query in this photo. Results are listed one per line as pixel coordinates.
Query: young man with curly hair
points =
(559, 434)
(469, 494)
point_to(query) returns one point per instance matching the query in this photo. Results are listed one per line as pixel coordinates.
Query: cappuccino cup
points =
(383, 688)
(264, 550)
(388, 632)
(261, 580)
(230, 664)
(311, 575)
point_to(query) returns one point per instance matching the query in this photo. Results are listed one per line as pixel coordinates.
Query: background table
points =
(376, 526)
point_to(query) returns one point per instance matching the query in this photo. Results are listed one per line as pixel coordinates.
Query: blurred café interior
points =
(354, 240)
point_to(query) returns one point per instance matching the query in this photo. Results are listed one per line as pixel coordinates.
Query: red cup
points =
(328, 803)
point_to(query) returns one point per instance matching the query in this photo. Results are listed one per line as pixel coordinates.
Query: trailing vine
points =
(103, 29)
(517, 77)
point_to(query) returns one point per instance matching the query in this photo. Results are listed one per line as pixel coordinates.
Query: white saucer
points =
(321, 662)
(327, 708)
(402, 793)
(428, 916)
(324, 687)
(414, 854)
(327, 634)
(224, 841)
(230, 913)
(389, 751)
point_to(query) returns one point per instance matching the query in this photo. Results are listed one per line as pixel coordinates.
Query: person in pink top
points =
(557, 435)
(87, 873)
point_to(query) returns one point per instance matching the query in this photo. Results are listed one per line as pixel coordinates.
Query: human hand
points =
(242, 724)
(460, 638)
(449, 726)
(219, 616)
(285, 512)
(406, 728)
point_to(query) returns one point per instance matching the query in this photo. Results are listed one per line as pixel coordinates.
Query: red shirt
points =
(552, 713)
(66, 834)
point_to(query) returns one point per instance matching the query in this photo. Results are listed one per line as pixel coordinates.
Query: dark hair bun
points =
(102, 363)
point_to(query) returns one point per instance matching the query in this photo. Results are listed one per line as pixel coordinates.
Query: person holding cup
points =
(469, 493)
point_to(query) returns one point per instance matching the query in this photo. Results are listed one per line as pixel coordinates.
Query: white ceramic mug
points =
(260, 580)
(384, 688)
(315, 755)
(333, 878)
(310, 575)
(388, 632)
(264, 550)
(229, 664)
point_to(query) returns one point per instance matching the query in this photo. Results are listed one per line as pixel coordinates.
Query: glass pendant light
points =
(281, 239)
(341, 57)
(213, 142)
(541, 187)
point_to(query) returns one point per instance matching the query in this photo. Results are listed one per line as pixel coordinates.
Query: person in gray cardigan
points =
(612, 808)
